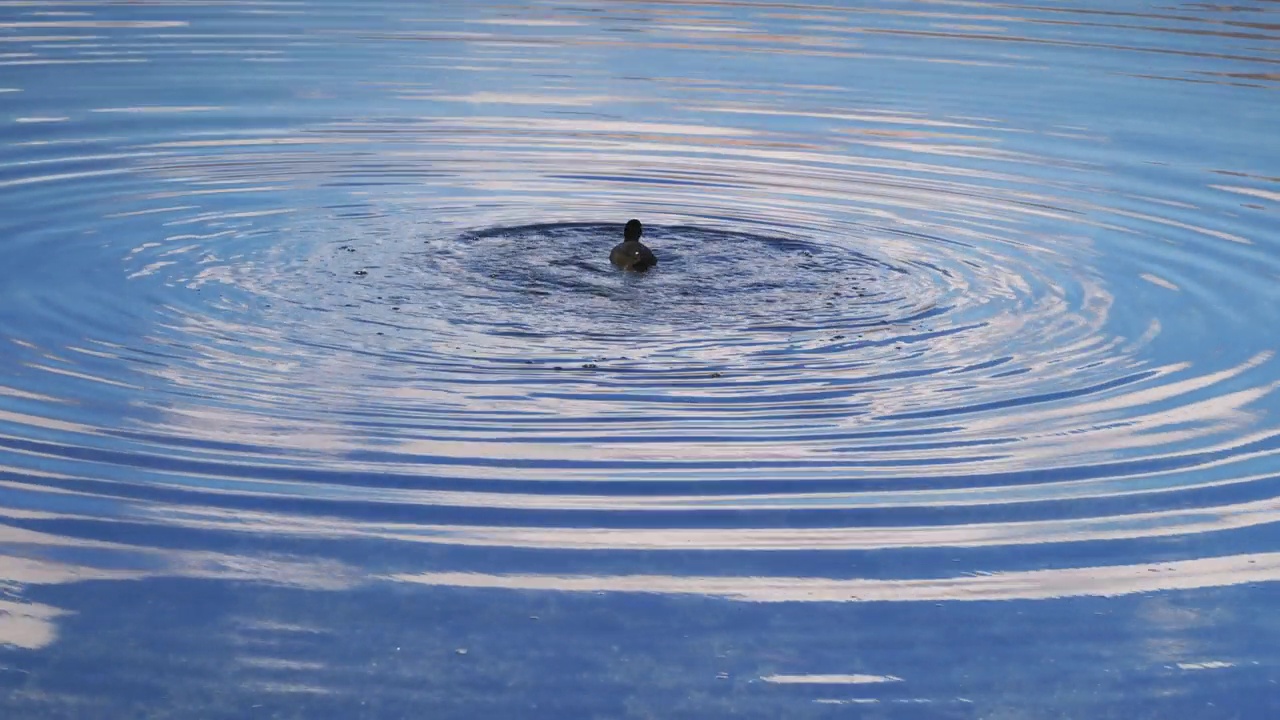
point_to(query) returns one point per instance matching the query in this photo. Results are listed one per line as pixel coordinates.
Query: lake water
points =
(954, 394)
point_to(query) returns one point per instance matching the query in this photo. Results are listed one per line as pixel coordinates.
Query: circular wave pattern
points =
(870, 331)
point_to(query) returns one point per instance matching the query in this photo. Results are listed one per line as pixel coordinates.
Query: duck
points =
(631, 254)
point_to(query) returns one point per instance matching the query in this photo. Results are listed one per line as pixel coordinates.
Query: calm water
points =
(954, 394)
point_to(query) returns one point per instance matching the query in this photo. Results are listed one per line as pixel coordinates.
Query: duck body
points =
(631, 254)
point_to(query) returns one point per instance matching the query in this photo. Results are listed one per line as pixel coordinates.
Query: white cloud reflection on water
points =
(1104, 581)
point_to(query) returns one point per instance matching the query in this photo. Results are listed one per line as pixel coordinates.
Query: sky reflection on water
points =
(953, 395)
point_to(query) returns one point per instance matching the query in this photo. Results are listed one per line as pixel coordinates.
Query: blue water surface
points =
(953, 395)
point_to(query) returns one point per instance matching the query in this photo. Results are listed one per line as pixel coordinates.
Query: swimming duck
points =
(631, 254)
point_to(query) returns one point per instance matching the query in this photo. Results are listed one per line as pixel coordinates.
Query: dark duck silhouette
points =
(631, 254)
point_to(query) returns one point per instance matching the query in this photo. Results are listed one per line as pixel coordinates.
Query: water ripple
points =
(380, 309)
